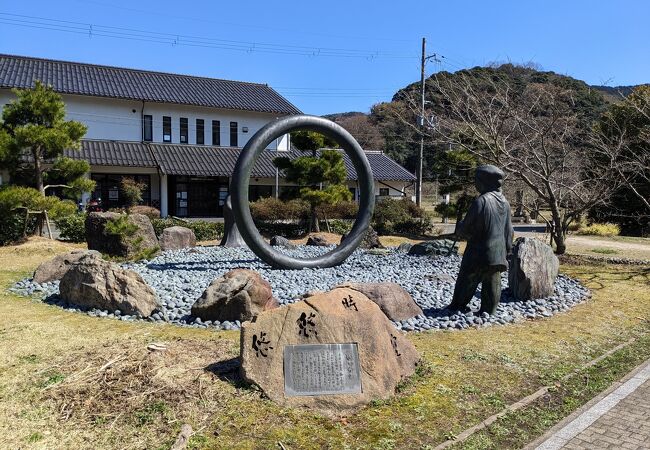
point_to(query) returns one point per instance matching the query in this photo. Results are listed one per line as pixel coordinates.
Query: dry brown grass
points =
(122, 384)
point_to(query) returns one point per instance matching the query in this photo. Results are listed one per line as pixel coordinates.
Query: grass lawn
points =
(68, 380)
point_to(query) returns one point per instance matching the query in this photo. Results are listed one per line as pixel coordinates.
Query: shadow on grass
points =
(228, 370)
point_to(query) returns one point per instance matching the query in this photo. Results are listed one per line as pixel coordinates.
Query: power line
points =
(239, 25)
(177, 39)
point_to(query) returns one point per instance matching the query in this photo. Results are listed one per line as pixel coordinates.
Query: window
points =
(200, 132)
(167, 129)
(147, 128)
(383, 192)
(183, 130)
(216, 132)
(233, 134)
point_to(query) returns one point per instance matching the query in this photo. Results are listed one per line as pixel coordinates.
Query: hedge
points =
(203, 230)
(73, 227)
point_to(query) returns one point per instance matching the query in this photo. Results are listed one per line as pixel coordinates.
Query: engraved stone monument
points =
(333, 351)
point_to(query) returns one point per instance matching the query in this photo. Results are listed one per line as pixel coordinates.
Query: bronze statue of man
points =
(488, 230)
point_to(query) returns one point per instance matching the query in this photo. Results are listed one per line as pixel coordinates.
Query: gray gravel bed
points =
(180, 277)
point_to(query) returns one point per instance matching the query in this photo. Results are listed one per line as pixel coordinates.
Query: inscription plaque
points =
(321, 369)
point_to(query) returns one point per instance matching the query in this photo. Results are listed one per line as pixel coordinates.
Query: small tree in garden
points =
(132, 191)
(33, 136)
(322, 179)
(310, 140)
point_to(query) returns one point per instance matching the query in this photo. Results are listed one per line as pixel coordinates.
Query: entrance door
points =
(182, 205)
(204, 197)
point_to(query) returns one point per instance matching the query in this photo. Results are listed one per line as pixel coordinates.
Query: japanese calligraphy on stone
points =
(261, 345)
(349, 303)
(321, 369)
(307, 325)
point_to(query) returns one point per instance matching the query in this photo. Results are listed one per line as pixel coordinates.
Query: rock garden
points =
(220, 287)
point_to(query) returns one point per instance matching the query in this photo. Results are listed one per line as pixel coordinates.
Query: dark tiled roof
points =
(383, 167)
(199, 160)
(116, 82)
(114, 153)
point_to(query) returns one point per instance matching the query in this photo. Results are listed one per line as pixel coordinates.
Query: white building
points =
(179, 134)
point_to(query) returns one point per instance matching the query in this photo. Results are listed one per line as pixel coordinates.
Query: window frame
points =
(234, 134)
(184, 130)
(147, 126)
(216, 133)
(200, 132)
(167, 127)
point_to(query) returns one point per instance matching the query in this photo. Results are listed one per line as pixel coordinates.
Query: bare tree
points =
(365, 132)
(533, 133)
(626, 128)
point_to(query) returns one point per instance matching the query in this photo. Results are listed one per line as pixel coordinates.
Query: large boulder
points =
(340, 316)
(281, 241)
(55, 268)
(95, 283)
(437, 247)
(240, 294)
(176, 238)
(392, 299)
(533, 269)
(370, 239)
(317, 240)
(141, 236)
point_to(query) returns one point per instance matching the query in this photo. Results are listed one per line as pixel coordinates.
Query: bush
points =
(72, 227)
(271, 209)
(340, 210)
(149, 211)
(132, 190)
(206, 231)
(203, 230)
(339, 226)
(600, 229)
(59, 209)
(12, 226)
(398, 216)
(13, 200)
(446, 210)
(418, 226)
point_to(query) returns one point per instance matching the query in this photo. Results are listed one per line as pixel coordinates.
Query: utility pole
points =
(421, 123)
(418, 182)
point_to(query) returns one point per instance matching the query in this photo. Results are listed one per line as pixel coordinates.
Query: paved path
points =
(617, 419)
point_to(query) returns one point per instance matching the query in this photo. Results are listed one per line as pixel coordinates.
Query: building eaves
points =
(203, 160)
(132, 84)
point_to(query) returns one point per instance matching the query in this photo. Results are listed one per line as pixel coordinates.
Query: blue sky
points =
(336, 56)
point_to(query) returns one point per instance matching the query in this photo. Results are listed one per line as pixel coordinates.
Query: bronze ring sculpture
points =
(240, 181)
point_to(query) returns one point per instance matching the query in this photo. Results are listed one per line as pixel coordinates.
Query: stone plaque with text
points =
(321, 369)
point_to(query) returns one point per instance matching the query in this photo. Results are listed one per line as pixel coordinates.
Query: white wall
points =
(120, 120)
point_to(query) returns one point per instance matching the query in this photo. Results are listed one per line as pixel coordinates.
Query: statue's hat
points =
(490, 176)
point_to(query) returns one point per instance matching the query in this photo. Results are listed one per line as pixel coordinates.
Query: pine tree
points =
(33, 136)
(322, 179)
